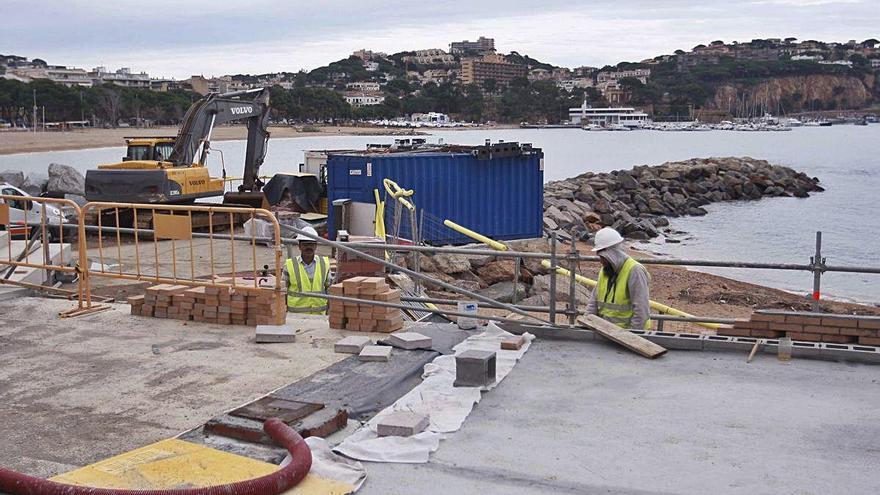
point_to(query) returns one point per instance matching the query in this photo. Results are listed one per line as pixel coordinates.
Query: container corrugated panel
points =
(500, 198)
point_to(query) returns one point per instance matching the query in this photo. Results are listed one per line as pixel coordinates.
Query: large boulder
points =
(35, 184)
(64, 179)
(451, 263)
(503, 291)
(14, 177)
(541, 287)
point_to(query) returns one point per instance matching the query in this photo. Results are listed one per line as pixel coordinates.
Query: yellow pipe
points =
(399, 193)
(659, 307)
(475, 236)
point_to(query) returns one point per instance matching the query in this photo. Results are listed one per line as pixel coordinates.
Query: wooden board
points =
(4, 214)
(621, 336)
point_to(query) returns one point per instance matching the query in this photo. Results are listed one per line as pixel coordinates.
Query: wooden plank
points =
(621, 336)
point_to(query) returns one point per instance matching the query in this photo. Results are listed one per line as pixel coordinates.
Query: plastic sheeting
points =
(328, 465)
(445, 405)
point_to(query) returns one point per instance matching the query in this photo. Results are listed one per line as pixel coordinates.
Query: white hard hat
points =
(309, 230)
(606, 238)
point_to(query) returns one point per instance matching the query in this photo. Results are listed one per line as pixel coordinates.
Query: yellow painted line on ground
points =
(178, 464)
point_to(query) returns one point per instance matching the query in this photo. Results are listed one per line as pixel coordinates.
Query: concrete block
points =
(724, 343)
(805, 349)
(352, 345)
(474, 368)
(275, 334)
(375, 353)
(676, 341)
(410, 340)
(401, 424)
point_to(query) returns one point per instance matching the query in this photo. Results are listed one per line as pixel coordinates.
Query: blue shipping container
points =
(499, 197)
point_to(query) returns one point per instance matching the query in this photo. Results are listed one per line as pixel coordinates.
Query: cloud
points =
(183, 37)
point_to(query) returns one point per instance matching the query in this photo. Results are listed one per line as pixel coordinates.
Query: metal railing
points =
(37, 222)
(173, 224)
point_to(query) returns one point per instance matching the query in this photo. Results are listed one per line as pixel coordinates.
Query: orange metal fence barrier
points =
(160, 246)
(28, 220)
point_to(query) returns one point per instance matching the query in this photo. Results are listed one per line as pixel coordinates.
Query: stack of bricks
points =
(811, 327)
(350, 265)
(365, 317)
(242, 305)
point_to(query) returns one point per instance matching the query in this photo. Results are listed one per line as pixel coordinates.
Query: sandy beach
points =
(25, 142)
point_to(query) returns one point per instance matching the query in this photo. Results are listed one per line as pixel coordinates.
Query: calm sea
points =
(845, 158)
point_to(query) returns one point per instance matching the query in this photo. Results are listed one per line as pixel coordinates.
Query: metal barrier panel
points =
(33, 237)
(161, 247)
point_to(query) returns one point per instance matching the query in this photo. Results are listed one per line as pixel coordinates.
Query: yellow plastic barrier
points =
(658, 307)
(475, 236)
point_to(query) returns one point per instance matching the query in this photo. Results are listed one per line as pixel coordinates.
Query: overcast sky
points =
(178, 38)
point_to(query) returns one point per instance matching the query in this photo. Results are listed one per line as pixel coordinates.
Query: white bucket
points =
(467, 323)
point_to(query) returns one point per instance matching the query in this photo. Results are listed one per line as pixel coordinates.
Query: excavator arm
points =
(193, 141)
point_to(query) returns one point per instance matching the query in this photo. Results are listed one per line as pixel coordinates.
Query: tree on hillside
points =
(870, 42)
(490, 85)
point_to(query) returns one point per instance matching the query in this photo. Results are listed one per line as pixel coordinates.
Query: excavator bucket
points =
(254, 199)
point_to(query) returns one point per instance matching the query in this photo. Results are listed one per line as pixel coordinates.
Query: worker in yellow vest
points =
(307, 273)
(622, 294)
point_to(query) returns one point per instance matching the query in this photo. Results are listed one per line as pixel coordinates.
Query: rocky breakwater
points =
(639, 202)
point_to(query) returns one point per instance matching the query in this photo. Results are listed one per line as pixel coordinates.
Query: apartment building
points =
(491, 66)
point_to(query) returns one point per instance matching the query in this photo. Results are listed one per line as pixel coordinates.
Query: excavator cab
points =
(148, 148)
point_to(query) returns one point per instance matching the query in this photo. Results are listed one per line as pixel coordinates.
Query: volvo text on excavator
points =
(149, 174)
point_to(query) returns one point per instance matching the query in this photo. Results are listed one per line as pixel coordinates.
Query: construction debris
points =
(352, 345)
(401, 424)
(410, 340)
(365, 317)
(375, 353)
(474, 368)
(243, 305)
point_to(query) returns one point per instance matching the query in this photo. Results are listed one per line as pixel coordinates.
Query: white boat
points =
(793, 122)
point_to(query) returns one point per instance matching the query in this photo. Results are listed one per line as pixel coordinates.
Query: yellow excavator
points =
(165, 170)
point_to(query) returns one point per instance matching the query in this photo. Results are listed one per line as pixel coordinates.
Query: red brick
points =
(785, 327)
(859, 332)
(869, 340)
(824, 330)
(804, 320)
(768, 318)
(810, 337)
(750, 325)
(840, 322)
(872, 324)
(838, 339)
(767, 334)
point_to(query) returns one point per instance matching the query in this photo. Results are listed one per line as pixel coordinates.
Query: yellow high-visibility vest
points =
(300, 282)
(613, 303)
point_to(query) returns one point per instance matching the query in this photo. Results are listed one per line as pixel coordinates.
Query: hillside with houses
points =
(472, 81)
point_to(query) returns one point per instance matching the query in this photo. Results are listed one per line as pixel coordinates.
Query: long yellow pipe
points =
(659, 307)
(475, 236)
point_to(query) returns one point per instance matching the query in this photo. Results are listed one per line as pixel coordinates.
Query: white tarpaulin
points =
(445, 405)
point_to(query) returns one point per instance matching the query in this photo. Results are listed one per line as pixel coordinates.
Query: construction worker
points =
(622, 294)
(307, 273)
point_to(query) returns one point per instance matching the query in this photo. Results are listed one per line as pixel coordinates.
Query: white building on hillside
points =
(363, 86)
(359, 99)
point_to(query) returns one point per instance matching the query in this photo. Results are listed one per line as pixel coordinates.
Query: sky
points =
(179, 38)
